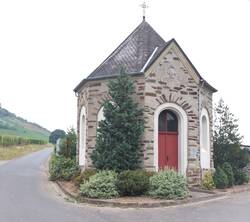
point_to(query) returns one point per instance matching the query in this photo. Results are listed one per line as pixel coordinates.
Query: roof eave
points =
(77, 88)
(209, 86)
(84, 81)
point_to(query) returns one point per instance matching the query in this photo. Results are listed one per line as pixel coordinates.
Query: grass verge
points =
(8, 153)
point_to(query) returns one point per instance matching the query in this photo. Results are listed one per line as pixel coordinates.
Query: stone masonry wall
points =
(171, 80)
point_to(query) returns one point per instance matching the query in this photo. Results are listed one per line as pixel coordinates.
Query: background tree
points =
(68, 144)
(119, 134)
(55, 135)
(227, 140)
(226, 128)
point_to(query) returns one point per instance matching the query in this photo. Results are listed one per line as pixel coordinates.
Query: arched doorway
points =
(182, 135)
(168, 140)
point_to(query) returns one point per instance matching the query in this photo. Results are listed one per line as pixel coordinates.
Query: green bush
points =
(207, 181)
(68, 144)
(101, 185)
(133, 182)
(240, 177)
(168, 184)
(84, 176)
(220, 178)
(228, 170)
(62, 168)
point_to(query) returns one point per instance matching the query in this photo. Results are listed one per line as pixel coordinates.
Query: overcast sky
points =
(48, 46)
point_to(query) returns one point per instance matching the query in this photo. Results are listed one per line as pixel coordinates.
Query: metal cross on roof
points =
(144, 6)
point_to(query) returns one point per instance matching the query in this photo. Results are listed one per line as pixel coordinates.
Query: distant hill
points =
(10, 124)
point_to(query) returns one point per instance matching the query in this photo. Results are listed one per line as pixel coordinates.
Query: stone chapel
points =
(177, 104)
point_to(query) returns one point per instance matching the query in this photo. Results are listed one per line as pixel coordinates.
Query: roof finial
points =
(144, 6)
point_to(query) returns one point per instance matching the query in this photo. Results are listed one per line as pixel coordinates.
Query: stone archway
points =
(182, 135)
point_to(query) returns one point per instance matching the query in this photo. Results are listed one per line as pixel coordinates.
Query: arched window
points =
(82, 137)
(204, 140)
(204, 133)
(100, 115)
(168, 121)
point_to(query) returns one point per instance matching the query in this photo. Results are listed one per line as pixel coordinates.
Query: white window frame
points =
(205, 155)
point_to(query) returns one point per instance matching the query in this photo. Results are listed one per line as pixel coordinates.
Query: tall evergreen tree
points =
(227, 138)
(118, 143)
(226, 128)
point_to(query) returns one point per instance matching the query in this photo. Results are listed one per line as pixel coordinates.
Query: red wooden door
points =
(168, 140)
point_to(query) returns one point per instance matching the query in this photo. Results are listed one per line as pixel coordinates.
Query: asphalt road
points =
(27, 196)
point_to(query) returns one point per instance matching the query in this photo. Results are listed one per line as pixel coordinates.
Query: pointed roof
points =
(136, 53)
(133, 52)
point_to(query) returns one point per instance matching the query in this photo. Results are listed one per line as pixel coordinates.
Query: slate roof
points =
(136, 53)
(132, 53)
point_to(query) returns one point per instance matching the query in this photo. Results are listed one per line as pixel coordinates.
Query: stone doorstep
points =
(141, 202)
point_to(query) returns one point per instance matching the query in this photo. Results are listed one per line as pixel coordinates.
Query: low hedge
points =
(207, 181)
(62, 168)
(101, 185)
(228, 170)
(168, 184)
(240, 177)
(84, 176)
(133, 182)
(220, 178)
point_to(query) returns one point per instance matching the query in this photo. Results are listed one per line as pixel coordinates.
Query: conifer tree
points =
(227, 138)
(226, 128)
(118, 143)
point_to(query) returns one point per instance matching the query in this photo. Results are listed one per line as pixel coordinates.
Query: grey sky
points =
(47, 47)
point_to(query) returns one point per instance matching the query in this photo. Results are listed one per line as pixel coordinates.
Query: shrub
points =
(68, 144)
(207, 181)
(61, 168)
(101, 185)
(168, 184)
(240, 177)
(151, 173)
(220, 178)
(84, 176)
(228, 170)
(133, 182)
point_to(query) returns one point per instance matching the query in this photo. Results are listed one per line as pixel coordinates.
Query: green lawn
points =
(8, 153)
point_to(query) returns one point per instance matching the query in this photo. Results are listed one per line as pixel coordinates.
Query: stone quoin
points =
(176, 100)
